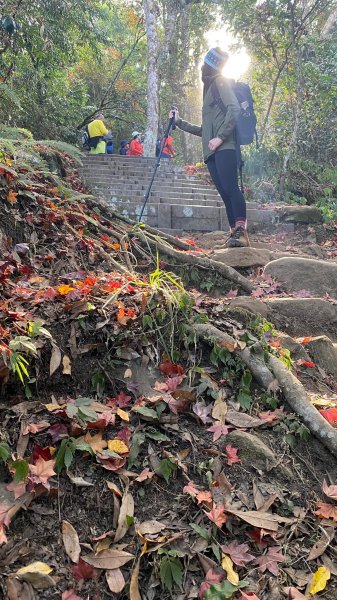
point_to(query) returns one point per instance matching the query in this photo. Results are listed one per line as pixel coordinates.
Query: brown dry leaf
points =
(151, 527)
(258, 497)
(299, 577)
(114, 489)
(108, 559)
(71, 541)
(321, 545)
(95, 441)
(55, 359)
(39, 581)
(242, 420)
(19, 590)
(327, 562)
(66, 365)
(262, 520)
(115, 580)
(134, 586)
(220, 409)
(11, 197)
(126, 510)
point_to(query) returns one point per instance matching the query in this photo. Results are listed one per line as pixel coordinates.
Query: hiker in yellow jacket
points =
(97, 130)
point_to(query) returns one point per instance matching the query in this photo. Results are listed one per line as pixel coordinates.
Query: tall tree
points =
(151, 22)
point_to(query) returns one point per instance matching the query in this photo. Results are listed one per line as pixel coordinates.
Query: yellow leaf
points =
(52, 450)
(319, 581)
(65, 289)
(11, 197)
(118, 446)
(123, 414)
(51, 407)
(227, 565)
(35, 567)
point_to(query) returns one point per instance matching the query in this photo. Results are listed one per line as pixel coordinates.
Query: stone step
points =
(143, 183)
(158, 195)
(140, 176)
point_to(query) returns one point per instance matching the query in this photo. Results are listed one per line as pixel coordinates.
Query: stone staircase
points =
(178, 202)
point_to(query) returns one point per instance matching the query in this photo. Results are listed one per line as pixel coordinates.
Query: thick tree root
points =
(293, 391)
(199, 261)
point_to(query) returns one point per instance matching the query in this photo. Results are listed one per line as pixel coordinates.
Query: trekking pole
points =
(170, 126)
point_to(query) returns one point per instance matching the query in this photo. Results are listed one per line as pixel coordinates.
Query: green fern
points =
(72, 151)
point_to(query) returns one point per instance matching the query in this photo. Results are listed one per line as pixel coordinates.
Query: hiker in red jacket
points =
(136, 147)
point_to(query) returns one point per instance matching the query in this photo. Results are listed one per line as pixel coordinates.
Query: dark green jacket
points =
(214, 122)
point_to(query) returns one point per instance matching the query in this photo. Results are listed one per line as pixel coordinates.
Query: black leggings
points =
(223, 169)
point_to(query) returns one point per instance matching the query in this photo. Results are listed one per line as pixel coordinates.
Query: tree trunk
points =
(294, 137)
(150, 12)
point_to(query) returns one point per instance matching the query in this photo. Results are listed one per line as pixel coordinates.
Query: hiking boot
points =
(239, 238)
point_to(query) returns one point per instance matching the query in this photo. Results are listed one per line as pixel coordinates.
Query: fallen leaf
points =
(123, 414)
(168, 368)
(232, 455)
(114, 489)
(134, 585)
(126, 510)
(144, 475)
(218, 429)
(79, 481)
(217, 515)
(108, 559)
(66, 364)
(19, 590)
(71, 541)
(115, 580)
(191, 489)
(248, 596)
(219, 410)
(242, 420)
(150, 527)
(37, 574)
(322, 544)
(330, 490)
(82, 570)
(260, 519)
(42, 471)
(326, 511)
(70, 595)
(329, 414)
(202, 411)
(204, 497)
(212, 577)
(35, 567)
(55, 359)
(11, 197)
(35, 427)
(227, 565)
(118, 446)
(269, 561)
(320, 579)
(95, 442)
(239, 553)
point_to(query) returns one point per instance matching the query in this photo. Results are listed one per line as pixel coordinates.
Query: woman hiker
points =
(97, 131)
(219, 148)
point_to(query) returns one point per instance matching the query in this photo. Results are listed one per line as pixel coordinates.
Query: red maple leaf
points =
(217, 515)
(259, 537)
(121, 400)
(329, 414)
(218, 430)
(269, 416)
(269, 561)
(238, 553)
(191, 489)
(39, 452)
(42, 471)
(211, 578)
(232, 455)
(326, 511)
(204, 497)
(305, 363)
(82, 570)
(170, 369)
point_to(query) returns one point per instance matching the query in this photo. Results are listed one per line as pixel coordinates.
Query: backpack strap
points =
(217, 100)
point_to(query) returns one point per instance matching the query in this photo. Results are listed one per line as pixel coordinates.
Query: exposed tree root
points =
(293, 391)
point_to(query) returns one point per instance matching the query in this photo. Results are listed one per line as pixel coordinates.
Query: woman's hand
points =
(294, 594)
(215, 143)
(174, 113)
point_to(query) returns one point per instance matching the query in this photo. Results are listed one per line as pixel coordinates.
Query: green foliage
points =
(66, 453)
(21, 470)
(4, 451)
(81, 411)
(244, 396)
(170, 570)
(223, 591)
(292, 428)
(167, 468)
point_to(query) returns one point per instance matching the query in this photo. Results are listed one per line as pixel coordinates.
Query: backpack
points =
(85, 138)
(245, 129)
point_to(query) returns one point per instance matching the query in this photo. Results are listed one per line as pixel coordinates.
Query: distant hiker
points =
(165, 149)
(96, 131)
(136, 147)
(219, 116)
(124, 149)
(109, 143)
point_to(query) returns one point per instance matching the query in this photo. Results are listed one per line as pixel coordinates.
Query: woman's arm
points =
(185, 126)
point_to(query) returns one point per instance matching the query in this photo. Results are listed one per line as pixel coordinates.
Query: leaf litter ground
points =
(118, 479)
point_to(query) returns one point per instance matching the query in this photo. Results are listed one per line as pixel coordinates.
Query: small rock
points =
(301, 214)
(296, 274)
(250, 304)
(252, 451)
(295, 348)
(323, 353)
